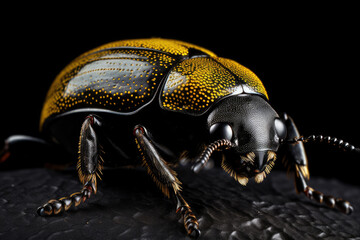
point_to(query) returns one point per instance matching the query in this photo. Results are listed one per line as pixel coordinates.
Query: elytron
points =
(153, 102)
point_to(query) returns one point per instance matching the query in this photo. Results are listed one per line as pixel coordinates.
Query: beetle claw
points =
(41, 212)
(194, 233)
(45, 210)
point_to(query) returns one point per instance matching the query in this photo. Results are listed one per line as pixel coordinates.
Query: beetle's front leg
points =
(296, 162)
(89, 168)
(165, 178)
(312, 194)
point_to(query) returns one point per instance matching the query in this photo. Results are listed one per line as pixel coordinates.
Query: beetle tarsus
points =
(343, 205)
(54, 206)
(330, 201)
(190, 222)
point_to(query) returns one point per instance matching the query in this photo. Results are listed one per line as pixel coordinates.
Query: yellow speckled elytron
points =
(125, 76)
(195, 83)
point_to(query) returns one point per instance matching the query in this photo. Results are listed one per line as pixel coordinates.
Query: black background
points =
(306, 56)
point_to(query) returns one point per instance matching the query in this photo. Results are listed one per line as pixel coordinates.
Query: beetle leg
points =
(296, 162)
(89, 168)
(301, 186)
(22, 147)
(165, 178)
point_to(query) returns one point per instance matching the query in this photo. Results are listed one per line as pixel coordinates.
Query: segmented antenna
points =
(205, 156)
(328, 140)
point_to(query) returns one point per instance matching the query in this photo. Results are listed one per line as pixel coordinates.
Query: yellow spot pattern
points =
(124, 76)
(119, 80)
(194, 84)
(245, 74)
(171, 46)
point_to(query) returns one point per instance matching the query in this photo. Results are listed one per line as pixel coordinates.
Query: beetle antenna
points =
(205, 155)
(328, 140)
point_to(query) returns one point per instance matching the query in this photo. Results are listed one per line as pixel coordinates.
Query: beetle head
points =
(255, 130)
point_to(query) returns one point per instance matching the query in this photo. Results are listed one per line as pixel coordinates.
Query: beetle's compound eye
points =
(280, 128)
(221, 131)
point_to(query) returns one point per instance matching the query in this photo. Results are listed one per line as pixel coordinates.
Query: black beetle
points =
(191, 102)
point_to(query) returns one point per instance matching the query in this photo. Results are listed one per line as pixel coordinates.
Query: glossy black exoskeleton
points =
(155, 102)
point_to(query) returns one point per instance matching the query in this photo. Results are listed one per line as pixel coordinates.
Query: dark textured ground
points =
(129, 206)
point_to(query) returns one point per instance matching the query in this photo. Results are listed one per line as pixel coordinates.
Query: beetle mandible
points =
(153, 102)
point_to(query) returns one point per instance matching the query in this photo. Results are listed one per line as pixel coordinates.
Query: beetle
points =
(154, 102)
